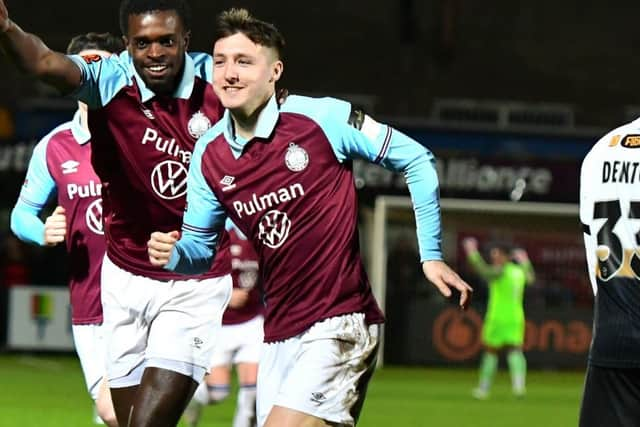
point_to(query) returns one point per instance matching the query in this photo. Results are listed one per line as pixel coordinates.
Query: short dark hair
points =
(501, 245)
(235, 21)
(137, 7)
(98, 41)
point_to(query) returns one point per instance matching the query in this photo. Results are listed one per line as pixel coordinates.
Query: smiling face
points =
(244, 74)
(157, 43)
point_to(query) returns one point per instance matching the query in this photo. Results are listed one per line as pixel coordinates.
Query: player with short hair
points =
(61, 162)
(240, 339)
(283, 175)
(147, 108)
(504, 323)
(609, 212)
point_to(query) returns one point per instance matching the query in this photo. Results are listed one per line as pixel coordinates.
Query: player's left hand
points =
(520, 255)
(444, 278)
(160, 246)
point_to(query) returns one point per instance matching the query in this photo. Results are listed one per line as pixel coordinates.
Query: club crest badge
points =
(198, 125)
(296, 158)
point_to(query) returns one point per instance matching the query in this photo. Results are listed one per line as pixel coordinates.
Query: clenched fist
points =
(160, 246)
(55, 226)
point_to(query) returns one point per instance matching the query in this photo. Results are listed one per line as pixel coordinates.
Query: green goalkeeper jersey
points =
(506, 288)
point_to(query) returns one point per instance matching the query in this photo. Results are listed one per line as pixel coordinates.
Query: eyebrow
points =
(147, 38)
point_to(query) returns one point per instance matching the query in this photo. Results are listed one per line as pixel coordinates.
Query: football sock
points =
(218, 393)
(201, 396)
(245, 415)
(488, 368)
(518, 370)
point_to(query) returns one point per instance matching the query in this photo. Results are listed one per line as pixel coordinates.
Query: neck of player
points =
(245, 122)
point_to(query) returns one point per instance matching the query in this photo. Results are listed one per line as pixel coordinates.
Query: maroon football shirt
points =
(79, 189)
(309, 255)
(142, 145)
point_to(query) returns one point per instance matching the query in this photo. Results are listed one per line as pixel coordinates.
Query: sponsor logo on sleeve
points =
(91, 58)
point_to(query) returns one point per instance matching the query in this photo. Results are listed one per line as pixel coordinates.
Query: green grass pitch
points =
(48, 391)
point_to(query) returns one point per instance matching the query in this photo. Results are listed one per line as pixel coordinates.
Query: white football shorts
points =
(323, 372)
(170, 324)
(89, 343)
(240, 343)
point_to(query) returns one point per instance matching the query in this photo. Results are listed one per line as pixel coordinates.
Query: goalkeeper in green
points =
(504, 323)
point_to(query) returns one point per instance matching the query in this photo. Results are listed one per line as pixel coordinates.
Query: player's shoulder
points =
(624, 136)
(115, 63)
(60, 134)
(213, 133)
(319, 109)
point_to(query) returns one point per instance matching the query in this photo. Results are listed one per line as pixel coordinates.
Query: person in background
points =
(504, 322)
(609, 212)
(61, 165)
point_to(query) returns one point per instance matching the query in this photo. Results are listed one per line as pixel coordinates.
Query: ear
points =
(187, 38)
(277, 69)
(125, 40)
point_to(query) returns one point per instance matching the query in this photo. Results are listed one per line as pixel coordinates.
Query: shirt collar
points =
(264, 128)
(79, 133)
(183, 90)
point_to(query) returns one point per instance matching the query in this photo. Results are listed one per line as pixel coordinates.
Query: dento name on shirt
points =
(165, 145)
(620, 172)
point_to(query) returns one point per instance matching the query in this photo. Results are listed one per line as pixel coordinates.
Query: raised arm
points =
(33, 57)
(480, 266)
(521, 256)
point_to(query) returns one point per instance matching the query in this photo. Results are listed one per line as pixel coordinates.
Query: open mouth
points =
(157, 70)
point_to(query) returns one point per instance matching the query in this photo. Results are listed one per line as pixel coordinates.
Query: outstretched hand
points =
(444, 278)
(160, 246)
(4, 17)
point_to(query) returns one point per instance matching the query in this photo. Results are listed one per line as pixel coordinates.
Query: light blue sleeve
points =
(381, 144)
(102, 79)
(38, 187)
(203, 222)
